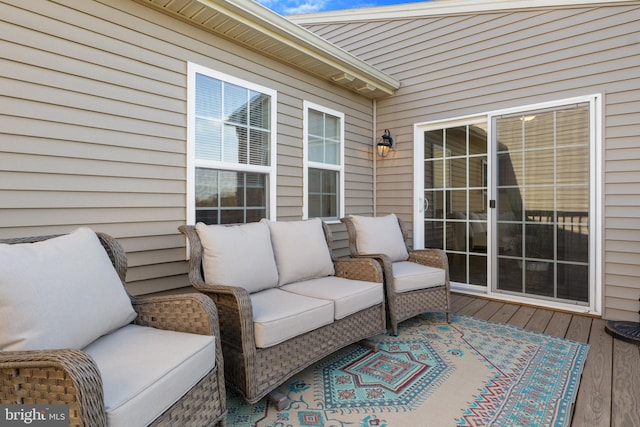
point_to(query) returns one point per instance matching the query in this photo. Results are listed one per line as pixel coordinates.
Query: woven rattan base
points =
(274, 365)
(408, 304)
(198, 407)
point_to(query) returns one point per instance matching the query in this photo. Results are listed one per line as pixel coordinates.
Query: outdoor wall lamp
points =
(385, 143)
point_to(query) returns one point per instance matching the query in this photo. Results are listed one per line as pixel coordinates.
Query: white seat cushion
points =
(279, 315)
(380, 235)
(349, 296)
(300, 249)
(59, 293)
(146, 370)
(238, 255)
(409, 276)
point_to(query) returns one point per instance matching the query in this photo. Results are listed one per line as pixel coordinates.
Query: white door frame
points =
(596, 225)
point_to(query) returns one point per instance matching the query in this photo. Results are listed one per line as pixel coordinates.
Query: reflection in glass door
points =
(542, 206)
(455, 195)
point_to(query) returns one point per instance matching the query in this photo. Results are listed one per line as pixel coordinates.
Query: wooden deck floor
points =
(609, 393)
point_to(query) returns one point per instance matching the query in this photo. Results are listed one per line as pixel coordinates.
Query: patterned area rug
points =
(433, 374)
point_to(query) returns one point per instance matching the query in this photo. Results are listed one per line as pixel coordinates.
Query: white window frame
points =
(307, 164)
(193, 162)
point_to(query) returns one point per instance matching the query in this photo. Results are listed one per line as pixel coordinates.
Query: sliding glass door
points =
(510, 197)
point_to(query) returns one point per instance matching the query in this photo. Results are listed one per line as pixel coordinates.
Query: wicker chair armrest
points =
(363, 268)
(235, 312)
(431, 258)
(189, 312)
(235, 295)
(66, 376)
(384, 261)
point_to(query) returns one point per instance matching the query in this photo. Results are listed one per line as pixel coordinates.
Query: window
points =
(231, 154)
(324, 162)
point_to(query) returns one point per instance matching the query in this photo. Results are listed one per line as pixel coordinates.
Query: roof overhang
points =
(260, 29)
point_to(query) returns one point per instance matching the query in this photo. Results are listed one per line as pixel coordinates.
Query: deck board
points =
(522, 316)
(558, 324)
(473, 307)
(505, 313)
(625, 410)
(488, 310)
(609, 392)
(539, 320)
(458, 302)
(579, 328)
(593, 405)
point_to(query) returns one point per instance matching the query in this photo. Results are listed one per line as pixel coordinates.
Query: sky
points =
(292, 7)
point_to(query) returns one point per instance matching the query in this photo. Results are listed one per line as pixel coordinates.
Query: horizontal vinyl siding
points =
(93, 126)
(465, 64)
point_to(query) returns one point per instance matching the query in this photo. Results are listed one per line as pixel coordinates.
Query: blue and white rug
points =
(433, 374)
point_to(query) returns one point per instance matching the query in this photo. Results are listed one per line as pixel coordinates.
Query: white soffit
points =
(260, 29)
(438, 7)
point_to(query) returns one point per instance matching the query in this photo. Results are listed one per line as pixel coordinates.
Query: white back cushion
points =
(238, 255)
(380, 235)
(301, 250)
(59, 293)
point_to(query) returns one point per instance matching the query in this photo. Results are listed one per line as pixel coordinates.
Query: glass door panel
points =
(455, 194)
(542, 201)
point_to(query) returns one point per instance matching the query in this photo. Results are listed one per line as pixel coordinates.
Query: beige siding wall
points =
(453, 66)
(93, 126)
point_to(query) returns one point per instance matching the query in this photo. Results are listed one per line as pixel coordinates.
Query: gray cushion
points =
(380, 235)
(301, 250)
(238, 255)
(409, 276)
(348, 296)
(279, 315)
(146, 370)
(59, 293)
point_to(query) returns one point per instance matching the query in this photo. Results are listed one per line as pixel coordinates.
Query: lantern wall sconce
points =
(385, 144)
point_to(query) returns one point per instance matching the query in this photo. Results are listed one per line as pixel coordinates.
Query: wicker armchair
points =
(375, 238)
(255, 372)
(71, 377)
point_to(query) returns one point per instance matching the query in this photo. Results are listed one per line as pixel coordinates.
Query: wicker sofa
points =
(264, 305)
(115, 361)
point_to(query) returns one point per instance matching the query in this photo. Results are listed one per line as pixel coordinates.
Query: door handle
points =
(423, 204)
